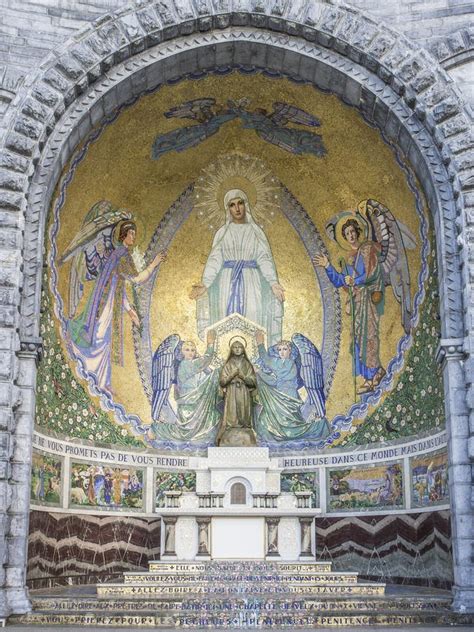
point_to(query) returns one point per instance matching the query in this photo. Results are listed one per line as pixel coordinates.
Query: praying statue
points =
(238, 382)
(240, 274)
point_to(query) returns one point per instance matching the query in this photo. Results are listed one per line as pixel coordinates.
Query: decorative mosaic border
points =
(320, 465)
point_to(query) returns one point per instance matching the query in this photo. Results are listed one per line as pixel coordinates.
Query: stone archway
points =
(397, 87)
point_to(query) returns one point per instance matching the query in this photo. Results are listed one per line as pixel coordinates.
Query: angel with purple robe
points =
(105, 260)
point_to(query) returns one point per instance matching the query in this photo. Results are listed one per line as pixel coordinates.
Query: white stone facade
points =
(64, 69)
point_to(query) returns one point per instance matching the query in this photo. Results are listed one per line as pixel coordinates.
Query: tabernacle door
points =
(238, 538)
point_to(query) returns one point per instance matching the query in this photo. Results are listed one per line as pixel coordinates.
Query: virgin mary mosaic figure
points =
(240, 274)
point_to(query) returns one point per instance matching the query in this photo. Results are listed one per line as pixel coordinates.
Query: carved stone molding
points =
(454, 49)
(203, 537)
(170, 535)
(272, 537)
(31, 348)
(450, 349)
(305, 525)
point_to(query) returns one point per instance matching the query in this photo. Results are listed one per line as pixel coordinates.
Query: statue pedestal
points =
(238, 437)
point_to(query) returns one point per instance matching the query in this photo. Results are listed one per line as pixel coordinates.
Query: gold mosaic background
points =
(358, 165)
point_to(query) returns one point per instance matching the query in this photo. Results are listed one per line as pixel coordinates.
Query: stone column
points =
(203, 537)
(305, 525)
(21, 449)
(451, 357)
(272, 537)
(170, 535)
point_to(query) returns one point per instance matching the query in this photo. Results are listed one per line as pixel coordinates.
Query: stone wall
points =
(79, 549)
(408, 549)
(30, 29)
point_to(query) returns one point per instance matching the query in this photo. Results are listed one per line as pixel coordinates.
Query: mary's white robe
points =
(238, 276)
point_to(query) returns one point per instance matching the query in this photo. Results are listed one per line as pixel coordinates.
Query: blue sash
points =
(237, 299)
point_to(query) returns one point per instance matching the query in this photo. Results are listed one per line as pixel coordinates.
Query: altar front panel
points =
(238, 538)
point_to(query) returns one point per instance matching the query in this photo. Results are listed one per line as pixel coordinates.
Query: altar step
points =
(248, 594)
(230, 566)
(264, 612)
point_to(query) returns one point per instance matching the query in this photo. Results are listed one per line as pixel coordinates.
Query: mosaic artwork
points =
(173, 482)
(366, 488)
(46, 479)
(429, 479)
(96, 486)
(301, 482)
(156, 273)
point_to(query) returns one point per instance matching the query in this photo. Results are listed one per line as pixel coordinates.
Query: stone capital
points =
(450, 349)
(31, 348)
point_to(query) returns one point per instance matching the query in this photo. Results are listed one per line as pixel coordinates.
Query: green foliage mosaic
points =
(416, 404)
(63, 406)
(173, 482)
(301, 482)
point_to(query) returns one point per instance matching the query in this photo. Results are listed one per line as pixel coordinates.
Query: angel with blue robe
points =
(376, 244)
(103, 259)
(195, 416)
(284, 369)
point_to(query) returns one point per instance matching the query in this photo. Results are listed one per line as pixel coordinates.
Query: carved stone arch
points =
(397, 87)
(454, 49)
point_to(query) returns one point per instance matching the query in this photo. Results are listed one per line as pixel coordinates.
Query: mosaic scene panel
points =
(103, 486)
(301, 482)
(365, 488)
(46, 479)
(173, 482)
(429, 480)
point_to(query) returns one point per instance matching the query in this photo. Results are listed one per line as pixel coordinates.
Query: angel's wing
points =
(284, 113)
(311, 372)
(94, 225)
(90, 248)
(394, 238)
(163, 373)
(197, 109)
(293, 140)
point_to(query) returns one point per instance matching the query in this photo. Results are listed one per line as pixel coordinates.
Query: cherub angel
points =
(177, 364)
(285, 369)
(376, 242)
(101, 254)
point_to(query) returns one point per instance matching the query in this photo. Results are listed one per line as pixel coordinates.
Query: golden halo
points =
(342, 219)
(240, 339)
(236, 171)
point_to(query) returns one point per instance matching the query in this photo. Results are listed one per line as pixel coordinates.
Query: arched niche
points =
(397, 87)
